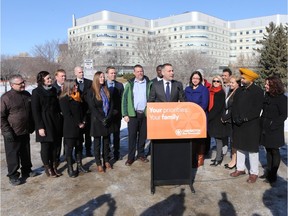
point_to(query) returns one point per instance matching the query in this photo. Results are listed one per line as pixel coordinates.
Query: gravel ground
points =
(126, 191)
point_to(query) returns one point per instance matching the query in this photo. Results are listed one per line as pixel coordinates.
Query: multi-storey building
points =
(223, 40)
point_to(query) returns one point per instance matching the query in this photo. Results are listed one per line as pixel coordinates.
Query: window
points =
(121, 28)
(95, 27)
(175, 37)
(127, 29)
(240, 47)
(241, 40)
(111, 27)
(247, 47)
(175, 29)
(254, 31)
(247, 32)
(241, 33)
(260, 31)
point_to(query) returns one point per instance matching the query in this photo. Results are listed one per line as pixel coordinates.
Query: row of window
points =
(243, 40)
(260, 31)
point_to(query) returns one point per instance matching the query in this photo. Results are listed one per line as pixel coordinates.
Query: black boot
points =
(80, 167)
(70, 170)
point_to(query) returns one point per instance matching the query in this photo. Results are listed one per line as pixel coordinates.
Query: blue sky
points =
(34, 22)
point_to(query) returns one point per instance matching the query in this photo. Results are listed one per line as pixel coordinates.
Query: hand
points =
(9, 137)
(81, 125)
(42, 132)
(238, 121)
(126, 119)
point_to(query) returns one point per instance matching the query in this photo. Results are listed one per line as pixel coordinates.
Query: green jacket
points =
(127, 103)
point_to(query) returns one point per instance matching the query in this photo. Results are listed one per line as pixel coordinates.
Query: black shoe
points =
(216, 163)
(227, 166)
(15, 181)
(213, 160)
(263, 176)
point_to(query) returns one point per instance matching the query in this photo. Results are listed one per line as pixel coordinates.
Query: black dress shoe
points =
(216, 163)
(15, 181)
(227, 166)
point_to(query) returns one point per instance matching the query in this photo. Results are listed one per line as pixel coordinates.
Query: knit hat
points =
(248, 74)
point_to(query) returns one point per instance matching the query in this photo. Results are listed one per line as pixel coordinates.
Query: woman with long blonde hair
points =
(101, 107)
(235, 82)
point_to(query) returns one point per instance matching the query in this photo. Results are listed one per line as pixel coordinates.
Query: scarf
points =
(105, 101)
(212, 91)
(76, 96)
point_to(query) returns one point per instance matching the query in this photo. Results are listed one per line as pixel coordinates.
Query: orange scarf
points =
(213, 90)
(76, 96)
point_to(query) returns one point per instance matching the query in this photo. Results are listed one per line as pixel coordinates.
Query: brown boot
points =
(200, 160)
(55, 166)
(50, 171)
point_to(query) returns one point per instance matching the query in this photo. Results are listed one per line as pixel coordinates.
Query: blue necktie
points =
(167, 92)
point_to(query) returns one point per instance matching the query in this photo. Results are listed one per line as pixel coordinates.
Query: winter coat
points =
(227, 115)
(73, 115)
(273, 116)
(46, 113)
(127, 104)
(199, 96)
(246, 108)
(16, 115)
(97, 116)
(215, 126)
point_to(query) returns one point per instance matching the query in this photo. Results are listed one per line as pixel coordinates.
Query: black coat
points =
(247, 106)
(73, 116)
(273, 116)
(215, 126)
(98, 115)
(46, 113)
(227, 115)
(116, 94)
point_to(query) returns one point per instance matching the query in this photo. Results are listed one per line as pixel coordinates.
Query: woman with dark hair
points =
(199, 94)
(101, 107)
(273, 116)
(215, 126)
(74, 120)
(48, 122)
(226, 118)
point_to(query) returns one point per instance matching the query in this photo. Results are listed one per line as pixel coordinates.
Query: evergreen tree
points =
(273, 53)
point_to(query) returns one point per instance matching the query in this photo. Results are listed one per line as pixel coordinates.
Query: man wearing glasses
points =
(16, 126)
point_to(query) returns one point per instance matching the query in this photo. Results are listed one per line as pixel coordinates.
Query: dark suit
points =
(116, 95)
(83, 88)
(157, 93)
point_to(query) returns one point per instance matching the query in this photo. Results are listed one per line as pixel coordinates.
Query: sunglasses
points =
(218, 81)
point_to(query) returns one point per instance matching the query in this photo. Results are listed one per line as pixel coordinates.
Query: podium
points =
(171, 127)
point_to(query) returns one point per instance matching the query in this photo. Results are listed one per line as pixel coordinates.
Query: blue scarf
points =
(105, 101)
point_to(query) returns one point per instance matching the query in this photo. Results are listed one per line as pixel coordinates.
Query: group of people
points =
(238, 113)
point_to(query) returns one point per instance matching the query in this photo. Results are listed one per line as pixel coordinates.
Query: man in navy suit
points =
(83, 86)
(167, 89)
(116, 90)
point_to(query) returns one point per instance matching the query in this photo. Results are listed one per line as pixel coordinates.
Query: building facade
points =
(106, 31)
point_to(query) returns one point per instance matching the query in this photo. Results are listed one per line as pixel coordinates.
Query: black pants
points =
(58, 143)
(137, 135)
(86, 132)
(97, 149)
(18, 152)
(116, 138)
(49, 153)
(70, 144)
(273, 162)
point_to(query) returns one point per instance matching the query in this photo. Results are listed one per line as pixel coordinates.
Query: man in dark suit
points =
(83, 86)
(159, 74)
(116, 90)
(60, 77)
(168, 89)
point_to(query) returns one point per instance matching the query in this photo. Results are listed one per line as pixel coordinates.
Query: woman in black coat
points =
(273, 116)
(74, 120)
(101, 107)
(48, 121)
(226, 118)
(215, 126)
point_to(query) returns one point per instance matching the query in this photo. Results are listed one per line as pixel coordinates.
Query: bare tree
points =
(8, 67)
(186, 62)
(152, 51)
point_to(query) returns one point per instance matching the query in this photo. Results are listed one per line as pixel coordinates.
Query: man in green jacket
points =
(134, 101)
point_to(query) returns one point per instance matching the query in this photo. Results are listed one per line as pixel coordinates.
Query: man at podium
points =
(167, 89)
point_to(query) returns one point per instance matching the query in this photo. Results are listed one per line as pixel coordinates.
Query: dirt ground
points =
(125, 191)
